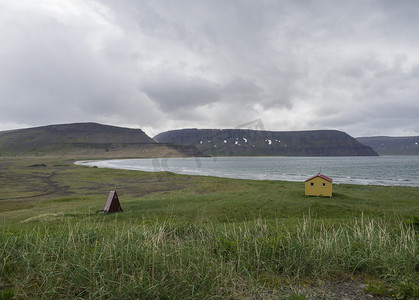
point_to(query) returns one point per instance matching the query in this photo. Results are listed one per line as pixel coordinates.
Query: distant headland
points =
(245, 142)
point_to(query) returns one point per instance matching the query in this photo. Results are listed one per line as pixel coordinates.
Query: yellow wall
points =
(318, 189)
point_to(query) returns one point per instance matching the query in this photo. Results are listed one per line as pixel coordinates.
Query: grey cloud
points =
(178, 92)
(239, 89)
(369, 92)
(164, 64)
(53, 71)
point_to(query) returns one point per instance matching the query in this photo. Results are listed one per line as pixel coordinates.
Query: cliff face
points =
(240, 142)
(385, 145)
(86, 139)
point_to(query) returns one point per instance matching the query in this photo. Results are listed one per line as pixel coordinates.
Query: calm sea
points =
(379, 170)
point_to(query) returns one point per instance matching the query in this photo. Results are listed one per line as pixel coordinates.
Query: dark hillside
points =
(240, 142)
(385, 145)
(90, 139)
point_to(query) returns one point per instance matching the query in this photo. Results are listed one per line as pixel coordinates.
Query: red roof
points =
(321, 176)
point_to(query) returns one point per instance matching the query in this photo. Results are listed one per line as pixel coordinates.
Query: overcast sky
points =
(160, 65)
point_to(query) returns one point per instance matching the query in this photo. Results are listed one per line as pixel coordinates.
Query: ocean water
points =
(378, 170)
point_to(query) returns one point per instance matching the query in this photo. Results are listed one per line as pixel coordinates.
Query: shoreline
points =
(208, 167)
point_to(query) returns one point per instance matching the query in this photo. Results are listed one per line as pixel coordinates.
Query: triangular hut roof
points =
(112, 204)
(321, 176)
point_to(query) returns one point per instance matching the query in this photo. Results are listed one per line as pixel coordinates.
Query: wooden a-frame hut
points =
(112, 204)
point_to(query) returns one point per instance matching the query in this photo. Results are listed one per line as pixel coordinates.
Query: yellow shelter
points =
(319, 185)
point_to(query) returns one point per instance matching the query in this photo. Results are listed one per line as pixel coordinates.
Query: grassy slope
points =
(28, 190)
(39, 204)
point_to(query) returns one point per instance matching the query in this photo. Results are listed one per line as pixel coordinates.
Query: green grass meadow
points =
(196, 237)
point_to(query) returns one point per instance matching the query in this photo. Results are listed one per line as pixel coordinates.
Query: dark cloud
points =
(179, 92)
(159, 65)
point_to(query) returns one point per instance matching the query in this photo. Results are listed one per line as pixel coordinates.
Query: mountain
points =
(86, 140)
(385, 145)
(244, 142)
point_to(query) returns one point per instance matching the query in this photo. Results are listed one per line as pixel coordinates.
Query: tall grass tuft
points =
(93, 259)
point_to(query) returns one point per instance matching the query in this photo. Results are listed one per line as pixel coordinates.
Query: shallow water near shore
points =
(377, 170)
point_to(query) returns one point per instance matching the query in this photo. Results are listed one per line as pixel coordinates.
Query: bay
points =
(377, 170)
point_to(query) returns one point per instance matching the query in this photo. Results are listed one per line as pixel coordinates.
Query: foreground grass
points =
(88, 259)
(197, 237)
